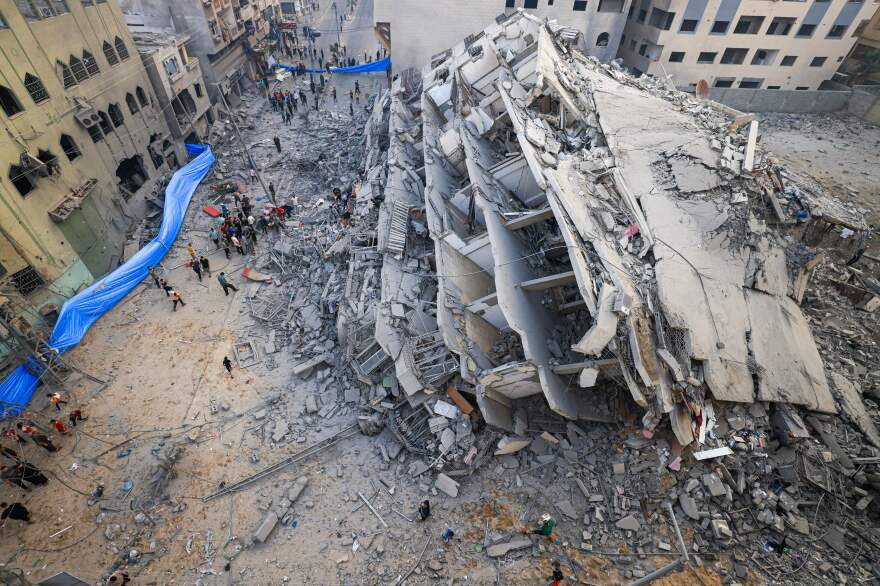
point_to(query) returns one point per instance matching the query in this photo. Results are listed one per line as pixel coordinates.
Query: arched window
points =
(132, 103)
(49, 159)
(21, 180)
(106, 126)
(116, 115)
(10, 104)
(66, 74)
(110, 54)
(142, 96)
(90, 63)
(602, 40)
(78, 69)
(121, 49)
(69, 147)
(35, 88)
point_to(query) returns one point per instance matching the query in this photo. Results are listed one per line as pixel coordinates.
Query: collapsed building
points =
(550, 226)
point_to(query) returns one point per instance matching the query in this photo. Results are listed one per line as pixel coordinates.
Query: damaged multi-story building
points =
(85, 144)
(552, 227)
(229, 38)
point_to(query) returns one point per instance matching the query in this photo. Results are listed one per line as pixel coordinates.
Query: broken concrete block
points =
(352, 395)
(721, 530)
(511, 445)
(296, 489)
(689, 506)
(446, 485)
(311, 404)
(714, 485)
(438, 424)
(264, 529)
(587, 378)
(618, 468)
(446, 409)
(567, 509)
(628, 523)
(500, 549)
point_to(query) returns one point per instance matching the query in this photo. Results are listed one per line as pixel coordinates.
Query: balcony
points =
(72, 201)
(192, 64)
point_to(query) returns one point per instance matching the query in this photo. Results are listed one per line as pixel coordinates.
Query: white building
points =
(420, 29)
(788, 45)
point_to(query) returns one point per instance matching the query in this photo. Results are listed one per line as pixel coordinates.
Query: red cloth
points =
(59, 427)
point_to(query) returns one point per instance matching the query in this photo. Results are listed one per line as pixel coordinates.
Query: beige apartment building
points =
(177, 81)
(788, 45)
(80, 124)
(228, 37)
(418, 30)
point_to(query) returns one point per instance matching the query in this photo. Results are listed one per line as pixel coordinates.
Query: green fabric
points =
(547, 527)
(222, 279)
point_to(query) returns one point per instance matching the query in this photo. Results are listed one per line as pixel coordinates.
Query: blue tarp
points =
(382, 65)
(83, 309)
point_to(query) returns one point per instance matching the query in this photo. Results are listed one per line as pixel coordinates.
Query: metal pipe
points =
(671, 567)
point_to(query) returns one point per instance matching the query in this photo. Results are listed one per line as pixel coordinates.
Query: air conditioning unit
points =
(87, 117)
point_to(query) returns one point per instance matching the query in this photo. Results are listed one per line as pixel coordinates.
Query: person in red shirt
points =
(59, 427)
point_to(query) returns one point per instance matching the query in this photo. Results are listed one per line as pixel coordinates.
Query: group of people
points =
(23, 474)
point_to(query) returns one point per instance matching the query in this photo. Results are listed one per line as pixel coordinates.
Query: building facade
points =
(80, 122)
(600, 22)
(177, 81)
(788, 45)
(228, 37)
(862, 65)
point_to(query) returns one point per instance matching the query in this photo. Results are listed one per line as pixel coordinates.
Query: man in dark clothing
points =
(221, 278)
(277, 142)
(75, 415)
(155, 275)
(165, 287)
(557, 576)
(226, 247)
(424, 510)
(312, 83)
(334, 94)
(15, 511)
(227, 364)
(351, 108)
(197, 269)
(206, 265)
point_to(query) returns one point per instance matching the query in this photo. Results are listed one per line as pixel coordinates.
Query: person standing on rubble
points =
(226, 247)
(155, 275)
(38, 438)
(227, 364)
(165, 287)
(557, 576)
(357, 95)
(55, 399)
(334, 94)
(221, 278)
(215, 238)
(206, 265)
(424, 510)
(237, 244)
(547, 525)
(312, 83)
(175, 299)
(197, 269)
(277, 142)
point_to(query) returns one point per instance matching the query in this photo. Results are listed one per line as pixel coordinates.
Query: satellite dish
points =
(703, 89)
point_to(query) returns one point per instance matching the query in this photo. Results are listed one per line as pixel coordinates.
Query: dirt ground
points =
(840, 152)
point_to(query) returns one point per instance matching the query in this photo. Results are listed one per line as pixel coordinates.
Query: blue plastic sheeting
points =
(382, 65)
(82, 310)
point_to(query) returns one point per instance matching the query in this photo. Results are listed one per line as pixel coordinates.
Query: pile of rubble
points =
(532, 223)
